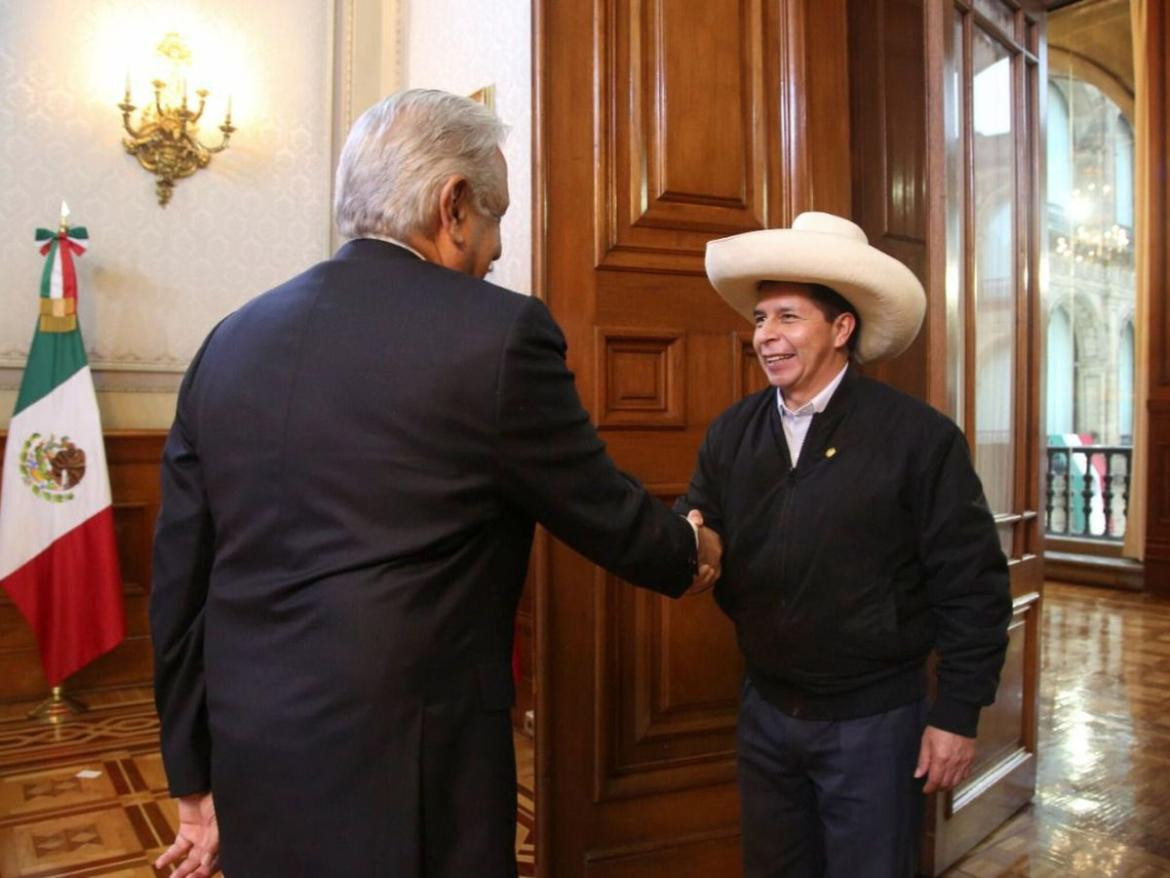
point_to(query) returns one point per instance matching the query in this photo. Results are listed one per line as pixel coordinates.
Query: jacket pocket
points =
(869, 623)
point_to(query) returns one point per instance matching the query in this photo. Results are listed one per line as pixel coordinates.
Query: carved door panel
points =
(662, 125)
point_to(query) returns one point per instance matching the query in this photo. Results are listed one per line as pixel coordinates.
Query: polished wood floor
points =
(1102, 804)
(88, 798)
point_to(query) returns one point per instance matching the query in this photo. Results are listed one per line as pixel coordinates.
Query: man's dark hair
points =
(832, 304)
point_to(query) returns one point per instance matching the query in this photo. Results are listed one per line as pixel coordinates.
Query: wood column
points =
(1152, 238)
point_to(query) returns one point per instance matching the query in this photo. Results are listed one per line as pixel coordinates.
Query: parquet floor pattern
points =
(1102, 803)
(88, 799)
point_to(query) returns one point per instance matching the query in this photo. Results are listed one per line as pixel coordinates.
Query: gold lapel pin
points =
(830, 452)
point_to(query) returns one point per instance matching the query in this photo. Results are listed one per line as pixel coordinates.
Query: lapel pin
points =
(830, 452)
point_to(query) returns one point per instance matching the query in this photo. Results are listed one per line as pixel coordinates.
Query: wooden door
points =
(661, 125)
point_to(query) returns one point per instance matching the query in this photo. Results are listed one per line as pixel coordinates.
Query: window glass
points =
(994, 173)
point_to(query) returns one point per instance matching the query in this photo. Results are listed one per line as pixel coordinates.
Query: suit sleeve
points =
(554, 466)
(181, 567)
(967, 585)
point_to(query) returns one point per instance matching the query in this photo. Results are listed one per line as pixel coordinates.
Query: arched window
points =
(1060, 375)
(1125, 367)
(1123, 174)
(1059, 150)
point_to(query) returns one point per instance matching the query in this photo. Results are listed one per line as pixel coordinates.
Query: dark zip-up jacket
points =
(842, 574)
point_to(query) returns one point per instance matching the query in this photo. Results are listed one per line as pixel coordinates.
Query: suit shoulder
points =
(465, 291)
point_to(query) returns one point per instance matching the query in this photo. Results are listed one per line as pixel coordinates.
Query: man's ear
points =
(453, 207)
(845, 328)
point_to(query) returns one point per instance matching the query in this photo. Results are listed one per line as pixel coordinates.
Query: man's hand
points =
(944, 759)
(710, 555)
(196, 847)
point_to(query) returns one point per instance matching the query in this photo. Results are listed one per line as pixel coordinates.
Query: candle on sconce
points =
(64, 215)
(166, 139)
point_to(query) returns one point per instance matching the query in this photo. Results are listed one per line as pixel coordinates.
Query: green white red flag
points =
(58, 561)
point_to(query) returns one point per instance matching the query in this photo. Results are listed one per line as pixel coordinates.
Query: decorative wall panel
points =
(677, 170)
(746, 373)
(667, 690)
(641, 379)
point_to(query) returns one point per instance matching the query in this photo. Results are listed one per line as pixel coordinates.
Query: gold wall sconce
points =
(166, 140)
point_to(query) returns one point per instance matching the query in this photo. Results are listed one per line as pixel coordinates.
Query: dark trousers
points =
(829, 798)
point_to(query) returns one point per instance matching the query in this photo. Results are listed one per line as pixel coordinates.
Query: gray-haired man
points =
(349, 493)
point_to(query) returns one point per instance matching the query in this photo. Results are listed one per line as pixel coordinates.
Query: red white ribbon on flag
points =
(67, 248)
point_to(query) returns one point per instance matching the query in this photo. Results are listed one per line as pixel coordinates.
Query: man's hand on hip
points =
(944, 759)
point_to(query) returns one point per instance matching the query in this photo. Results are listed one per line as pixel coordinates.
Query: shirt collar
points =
(396, 243)
(817, 404)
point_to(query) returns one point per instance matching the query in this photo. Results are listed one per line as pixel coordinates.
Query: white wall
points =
(462, 46)
(156, 279)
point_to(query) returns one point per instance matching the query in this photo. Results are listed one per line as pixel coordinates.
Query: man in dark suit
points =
(349, 493)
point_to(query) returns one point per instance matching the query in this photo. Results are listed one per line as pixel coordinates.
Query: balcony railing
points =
(1086, 491)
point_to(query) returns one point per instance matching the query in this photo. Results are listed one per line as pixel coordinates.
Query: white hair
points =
(400, 153)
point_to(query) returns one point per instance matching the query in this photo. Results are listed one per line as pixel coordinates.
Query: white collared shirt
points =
(396, 243)
(796, 423)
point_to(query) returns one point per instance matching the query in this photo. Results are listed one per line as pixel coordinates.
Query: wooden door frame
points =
(1028, 78)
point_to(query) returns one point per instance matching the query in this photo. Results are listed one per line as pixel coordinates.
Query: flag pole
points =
(58, 707)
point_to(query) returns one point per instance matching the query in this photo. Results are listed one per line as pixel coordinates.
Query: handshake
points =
(710, 555)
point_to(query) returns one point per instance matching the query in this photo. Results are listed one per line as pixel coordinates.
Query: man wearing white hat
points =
(857, 540)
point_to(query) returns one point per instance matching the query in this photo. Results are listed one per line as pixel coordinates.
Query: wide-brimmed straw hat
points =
(824, 249)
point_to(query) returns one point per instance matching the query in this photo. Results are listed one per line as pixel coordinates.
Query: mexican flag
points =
(57, 557)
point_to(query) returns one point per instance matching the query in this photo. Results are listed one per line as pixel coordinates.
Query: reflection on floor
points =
(89, 798)
(1102, 804)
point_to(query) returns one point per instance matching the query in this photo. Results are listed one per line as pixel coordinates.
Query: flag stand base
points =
(58, 707)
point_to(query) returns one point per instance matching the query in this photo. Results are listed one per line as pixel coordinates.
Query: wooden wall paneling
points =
(1004, 773)
(680, 90)
(1033, 441)
(747, 375)
(827, 90)
(673, 123)
(641, 377)
(695, 130)
(133, 458)
(888, 112)
(917, 204)
(1153, 238)
(945, 158)
(700, 853)
(1157, 579)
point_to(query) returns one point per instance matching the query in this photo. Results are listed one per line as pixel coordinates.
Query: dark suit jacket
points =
(349, 492)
